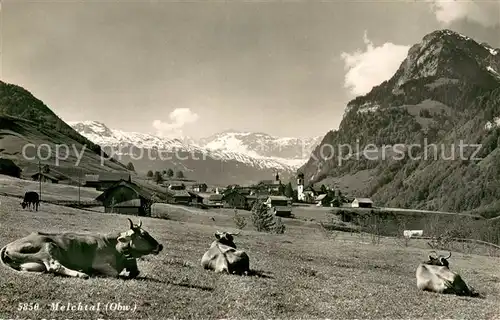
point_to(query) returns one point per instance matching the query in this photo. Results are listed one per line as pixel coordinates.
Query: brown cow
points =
(81, 255)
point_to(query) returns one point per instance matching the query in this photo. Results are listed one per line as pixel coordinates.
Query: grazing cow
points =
(222, 256)
(81, 255)
(434, 275)
(31, 198)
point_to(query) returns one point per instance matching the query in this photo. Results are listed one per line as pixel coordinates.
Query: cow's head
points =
(438, 260)
(24, 204)
(226, 238)
(137, 242)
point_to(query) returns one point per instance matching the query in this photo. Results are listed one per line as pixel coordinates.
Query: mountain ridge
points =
(444, 91)
(225, 144)
(217, 159)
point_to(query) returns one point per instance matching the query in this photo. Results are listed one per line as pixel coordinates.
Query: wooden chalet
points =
(235, 199)
(44, 177)
(104, 180)
(279, 205)
(178, 197)
(324, 200)
(362, 203)
(126, 198)
(199, 187)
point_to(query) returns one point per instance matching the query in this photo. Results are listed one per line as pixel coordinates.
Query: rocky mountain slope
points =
(228, 157)
(443, 99)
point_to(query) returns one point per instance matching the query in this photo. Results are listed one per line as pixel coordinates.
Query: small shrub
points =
(239, 220)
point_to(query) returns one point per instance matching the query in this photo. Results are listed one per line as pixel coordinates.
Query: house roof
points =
(194, 194)
(215, 197)
(282, 209)
(278, 198)
(176, 184)
(235, 192)
(178, 193)
(51, 177)
(320, 197)
(108, 176)
(138, 190)
(313, 188)
(363, 200)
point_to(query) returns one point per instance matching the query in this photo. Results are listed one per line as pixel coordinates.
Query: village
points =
(129, 193)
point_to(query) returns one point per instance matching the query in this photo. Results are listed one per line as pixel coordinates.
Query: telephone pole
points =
(40, 179)
(79, 184)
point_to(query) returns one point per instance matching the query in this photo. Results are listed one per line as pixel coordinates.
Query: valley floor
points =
(304, 273)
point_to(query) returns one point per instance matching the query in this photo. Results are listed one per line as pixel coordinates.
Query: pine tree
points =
(170, 173)
(157, 177)
(262, 219)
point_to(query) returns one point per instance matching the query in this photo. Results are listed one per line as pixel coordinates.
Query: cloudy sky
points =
(199, 67)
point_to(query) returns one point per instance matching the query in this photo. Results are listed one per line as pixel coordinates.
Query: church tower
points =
(300, 187)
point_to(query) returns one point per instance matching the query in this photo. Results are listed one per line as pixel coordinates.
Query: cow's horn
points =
(235, 234)
(131, 223)
(140, 223)
(448, 256)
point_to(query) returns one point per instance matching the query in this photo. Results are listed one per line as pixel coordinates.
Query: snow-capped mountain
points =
(256, 144)
(238, 150)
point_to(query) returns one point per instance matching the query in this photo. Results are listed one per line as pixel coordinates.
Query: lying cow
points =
(222, 256)
(81, 255)
(31, 198)
(434, 275)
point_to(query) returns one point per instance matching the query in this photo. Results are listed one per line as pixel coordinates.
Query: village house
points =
(362, 203)
(103, 180)
(199, 187)
(251, 199)
(271, 187)
(175, 196)
(44, 177)
(196, 199)
(176, 186)
(212, 200)
(235, 199)
(279, 205)
(323, 200)
(126, 198)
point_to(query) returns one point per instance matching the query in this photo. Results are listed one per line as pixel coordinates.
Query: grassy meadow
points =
(305, 273)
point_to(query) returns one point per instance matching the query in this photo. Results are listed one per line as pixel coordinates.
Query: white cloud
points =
(486, 13)
(178, 119)
(374, 65)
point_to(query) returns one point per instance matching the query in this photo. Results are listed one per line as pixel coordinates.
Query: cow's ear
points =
(217, 235)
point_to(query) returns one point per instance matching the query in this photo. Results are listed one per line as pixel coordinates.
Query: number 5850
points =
(28, 307)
